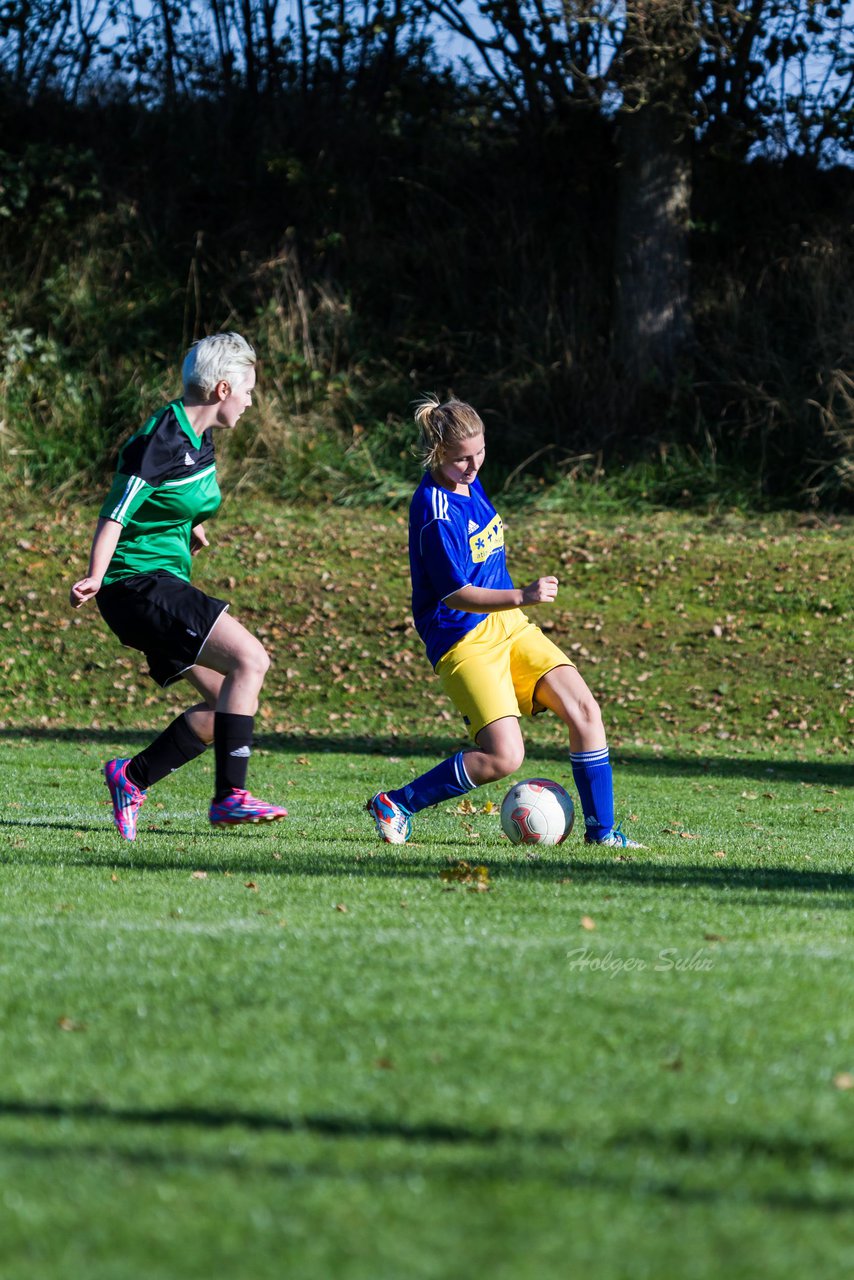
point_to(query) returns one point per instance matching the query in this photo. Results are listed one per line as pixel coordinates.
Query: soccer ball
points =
(537, 811)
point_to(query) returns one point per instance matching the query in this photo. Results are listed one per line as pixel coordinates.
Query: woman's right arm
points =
(495, 600)
(104, 543)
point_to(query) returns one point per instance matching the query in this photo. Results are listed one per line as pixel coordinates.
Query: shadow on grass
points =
(251, 853)
(554, 1153)
(259, 1122)
(713, 766)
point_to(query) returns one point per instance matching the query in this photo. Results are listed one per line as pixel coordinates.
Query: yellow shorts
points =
(493, 671)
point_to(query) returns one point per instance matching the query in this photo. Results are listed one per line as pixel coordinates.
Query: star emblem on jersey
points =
(188, 461)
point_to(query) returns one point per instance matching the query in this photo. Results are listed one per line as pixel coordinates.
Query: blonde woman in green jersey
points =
(149, 528)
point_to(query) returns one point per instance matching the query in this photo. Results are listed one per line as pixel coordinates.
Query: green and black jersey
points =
(165, 485)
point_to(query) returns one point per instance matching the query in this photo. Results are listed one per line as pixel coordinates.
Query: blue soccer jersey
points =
(455, 540)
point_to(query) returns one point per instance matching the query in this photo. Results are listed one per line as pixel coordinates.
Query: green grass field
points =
(295, 1051)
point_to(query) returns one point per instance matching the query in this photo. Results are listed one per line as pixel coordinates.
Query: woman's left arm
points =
(198, 539)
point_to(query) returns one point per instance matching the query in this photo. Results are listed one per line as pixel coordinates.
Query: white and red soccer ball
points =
(537, 811)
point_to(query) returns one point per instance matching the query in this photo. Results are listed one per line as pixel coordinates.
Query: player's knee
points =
(588, 714)
(505, 760)
(254, 662)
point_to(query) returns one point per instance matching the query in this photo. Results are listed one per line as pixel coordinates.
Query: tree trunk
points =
(652, 318)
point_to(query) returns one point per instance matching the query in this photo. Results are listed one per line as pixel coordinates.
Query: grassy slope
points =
(229, 1071)
(692, 631)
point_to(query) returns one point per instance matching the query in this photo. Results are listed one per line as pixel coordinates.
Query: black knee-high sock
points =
(232, 748)
(176, 745)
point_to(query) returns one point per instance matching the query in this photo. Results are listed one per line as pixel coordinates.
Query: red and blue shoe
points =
(393, 824)
(126, 797)
(239, 806)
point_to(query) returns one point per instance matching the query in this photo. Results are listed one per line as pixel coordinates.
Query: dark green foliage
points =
(376, 248)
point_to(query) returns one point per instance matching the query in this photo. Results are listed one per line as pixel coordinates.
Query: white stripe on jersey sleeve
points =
(439, 502)
(132, 488)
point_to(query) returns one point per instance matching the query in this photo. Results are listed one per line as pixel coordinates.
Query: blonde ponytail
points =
(442, 426)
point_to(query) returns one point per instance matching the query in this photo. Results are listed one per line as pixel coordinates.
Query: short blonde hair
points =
(223, 357)
(441, 426)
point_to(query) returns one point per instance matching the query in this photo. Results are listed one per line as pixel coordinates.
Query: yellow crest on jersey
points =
(487, 540)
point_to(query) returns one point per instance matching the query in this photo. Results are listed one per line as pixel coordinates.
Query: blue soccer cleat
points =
(616, 839)
(392, 823)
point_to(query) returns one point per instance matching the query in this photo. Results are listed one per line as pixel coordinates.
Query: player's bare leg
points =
(234, 654)
(499, 751)
(564, 691)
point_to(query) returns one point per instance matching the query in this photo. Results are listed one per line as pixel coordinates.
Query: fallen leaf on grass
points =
(465, 806)
(843, 1080)
(198, 875)
(714, 937)
(70, 1024)
(339, 906)
(688, 835)
(384, 1064)
(587, 922)
(114, 878)
(464, 873)
(250, 884)
(718, 853)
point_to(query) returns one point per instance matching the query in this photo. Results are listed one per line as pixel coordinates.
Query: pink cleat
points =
(239, 806)
(126, 796)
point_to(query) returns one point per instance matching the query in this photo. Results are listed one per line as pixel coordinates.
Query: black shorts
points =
(164, 617)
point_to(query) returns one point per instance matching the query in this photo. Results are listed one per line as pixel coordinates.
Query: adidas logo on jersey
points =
(188, 461)
(473, 527)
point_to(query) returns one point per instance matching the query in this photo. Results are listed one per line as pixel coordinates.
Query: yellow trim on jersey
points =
(493, 671)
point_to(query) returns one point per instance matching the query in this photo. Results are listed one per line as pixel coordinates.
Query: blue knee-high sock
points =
(447, 780)
(591, 771)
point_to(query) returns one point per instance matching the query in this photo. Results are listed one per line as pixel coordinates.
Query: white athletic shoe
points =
(616, 839)
(393, 825)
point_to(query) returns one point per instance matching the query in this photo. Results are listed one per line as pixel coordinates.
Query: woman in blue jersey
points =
(150, 527)
(492, 662)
